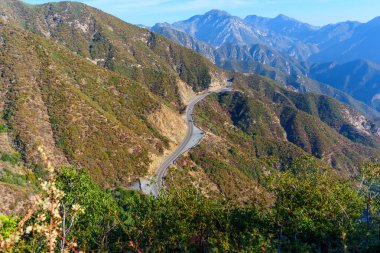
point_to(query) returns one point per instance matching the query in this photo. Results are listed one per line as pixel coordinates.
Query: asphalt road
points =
(193, 136)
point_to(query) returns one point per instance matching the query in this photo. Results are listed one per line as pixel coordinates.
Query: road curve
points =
(192, 138)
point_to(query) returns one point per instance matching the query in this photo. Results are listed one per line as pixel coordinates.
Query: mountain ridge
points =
(100, 37)
(359, 78)
(90, 104)
(139, 78)
(97, 93)
(273, 64)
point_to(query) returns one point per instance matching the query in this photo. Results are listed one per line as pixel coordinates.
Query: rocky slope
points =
(231, 29)
(283, 25)
(186, 40)
(342, 42)
(109, 42)
(360, 42)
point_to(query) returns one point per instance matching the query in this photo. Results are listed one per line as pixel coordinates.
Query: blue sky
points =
(315, 12)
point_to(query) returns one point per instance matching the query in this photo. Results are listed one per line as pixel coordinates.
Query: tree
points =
(91, 228)
(40, 229)
(366, 234)
(314, 210)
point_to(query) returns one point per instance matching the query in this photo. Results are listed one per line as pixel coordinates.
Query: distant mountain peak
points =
(375, 21)
(216, 12)
(164, 24)
(284, 17)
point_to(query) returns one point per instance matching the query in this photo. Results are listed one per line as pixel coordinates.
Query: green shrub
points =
(13, 159)
(7, 225)
(7, 176)
(3, 128)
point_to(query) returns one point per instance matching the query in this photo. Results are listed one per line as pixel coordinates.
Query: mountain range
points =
(251, 143)
(360, 79)
(287, 51)
(95, 92)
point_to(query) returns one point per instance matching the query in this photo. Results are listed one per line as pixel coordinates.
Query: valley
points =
(193, 136)
(287, 51)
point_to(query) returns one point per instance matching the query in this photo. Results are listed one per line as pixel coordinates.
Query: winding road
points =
(193, 136)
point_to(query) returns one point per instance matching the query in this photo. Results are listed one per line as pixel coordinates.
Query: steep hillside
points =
(354, 84)
(243, 55)
(278, 170)
(186, 40)
(283, 25)
(233, 56)
(77, 112)
(109, 42)
(342, 42)
(360, 79)
(332, 34)
(261, 127)
(93, 91)
(283, 49)
(16, 179)
(263, 60)
(306, 110)
(360, 43)
(218, 27)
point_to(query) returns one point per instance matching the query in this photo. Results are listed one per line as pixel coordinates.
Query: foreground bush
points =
(313, 211)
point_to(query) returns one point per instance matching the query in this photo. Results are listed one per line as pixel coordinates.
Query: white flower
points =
(28, 229)
(76, 207)
(16, 238)
(44, 186)
(42, 217)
